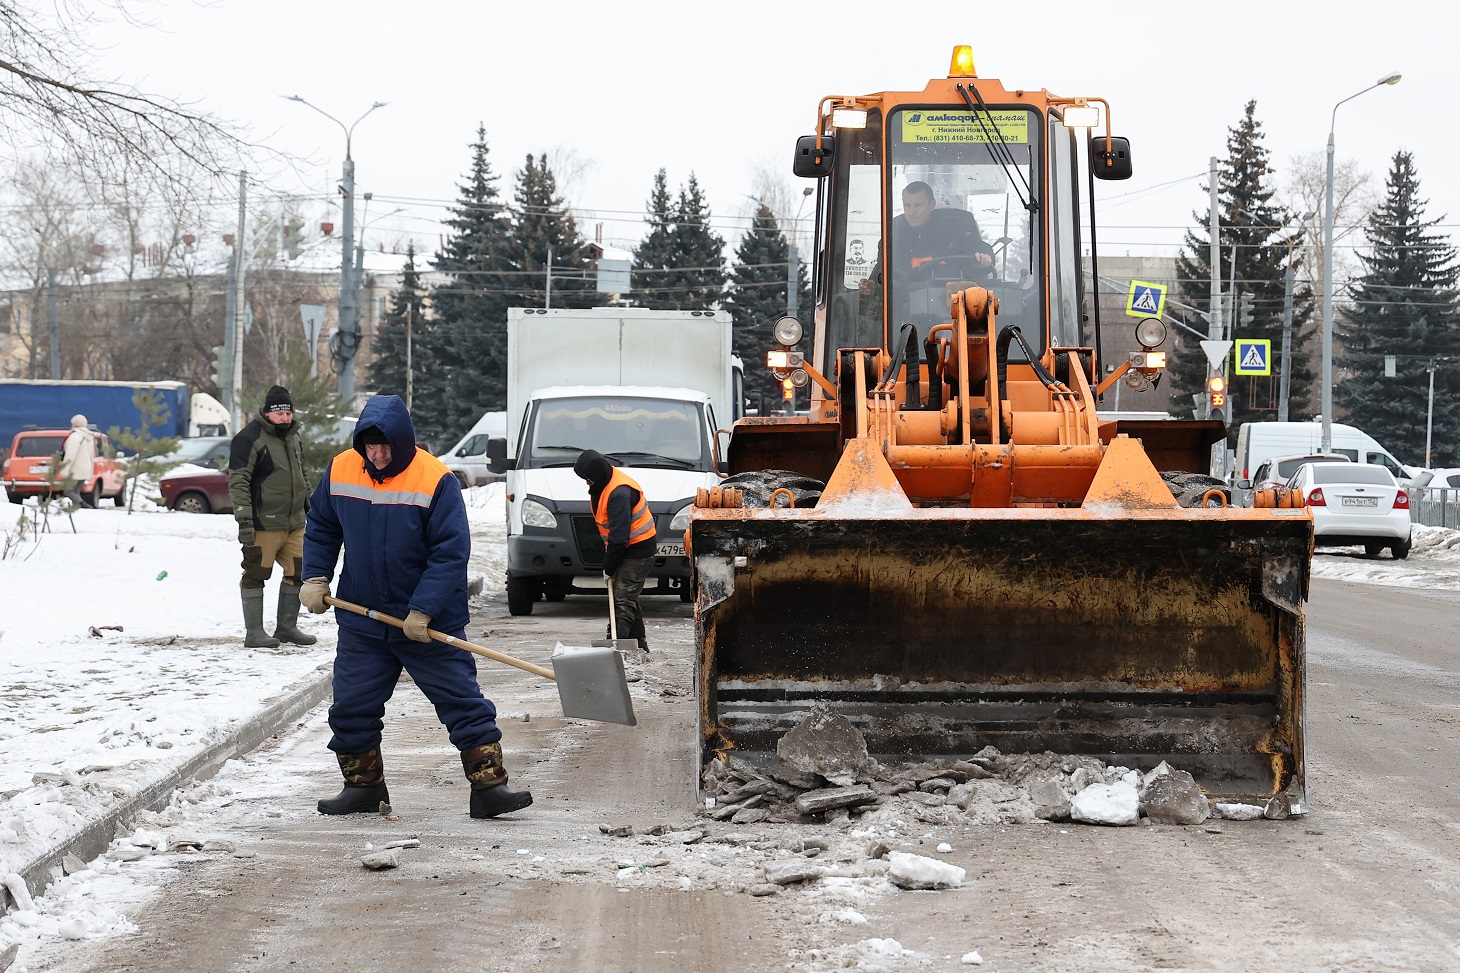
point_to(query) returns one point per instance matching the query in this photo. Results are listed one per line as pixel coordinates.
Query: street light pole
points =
(1327, 391)
(349, 309)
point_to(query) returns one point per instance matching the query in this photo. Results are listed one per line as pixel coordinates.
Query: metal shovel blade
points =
(592, 685)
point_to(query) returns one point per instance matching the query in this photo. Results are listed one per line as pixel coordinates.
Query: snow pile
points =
(486, 511)
(910, 871)
(1433, 562)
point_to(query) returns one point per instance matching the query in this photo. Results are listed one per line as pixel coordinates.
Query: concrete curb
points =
(96, 836)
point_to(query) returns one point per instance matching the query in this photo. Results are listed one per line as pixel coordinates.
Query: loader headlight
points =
(1150, 332)
(1136, 381)
(681, 519)
(535, 514)
(787, 330)
(799, 377)
(849, 118)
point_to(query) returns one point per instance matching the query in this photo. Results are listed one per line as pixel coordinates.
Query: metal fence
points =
(1435, 506)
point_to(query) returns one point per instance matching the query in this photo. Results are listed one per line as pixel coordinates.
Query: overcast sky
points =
(719, 89)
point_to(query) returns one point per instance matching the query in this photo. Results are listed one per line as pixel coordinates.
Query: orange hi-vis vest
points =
(641, 521)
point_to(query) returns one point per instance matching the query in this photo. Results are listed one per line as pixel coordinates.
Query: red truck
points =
(27, 471)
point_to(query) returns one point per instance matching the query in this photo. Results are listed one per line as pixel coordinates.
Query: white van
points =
(468, 458)
(1259, 441)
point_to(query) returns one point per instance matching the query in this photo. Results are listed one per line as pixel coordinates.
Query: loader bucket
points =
(1131, 635)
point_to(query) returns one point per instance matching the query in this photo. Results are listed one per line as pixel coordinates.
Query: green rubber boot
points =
(286, 629)
(254, 636)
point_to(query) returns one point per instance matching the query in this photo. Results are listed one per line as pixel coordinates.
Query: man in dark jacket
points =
(270, 494)
(398, 512)
(627, 528)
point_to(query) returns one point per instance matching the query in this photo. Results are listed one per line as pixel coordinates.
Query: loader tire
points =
(1190, 488)
(759, 485)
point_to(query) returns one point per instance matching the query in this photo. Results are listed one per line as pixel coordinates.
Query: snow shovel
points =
(590, 680)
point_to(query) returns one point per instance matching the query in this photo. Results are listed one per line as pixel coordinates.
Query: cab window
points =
(958, 185)
(854, 245)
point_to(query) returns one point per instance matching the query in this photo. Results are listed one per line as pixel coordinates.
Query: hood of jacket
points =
(388, 413)
(594, 467)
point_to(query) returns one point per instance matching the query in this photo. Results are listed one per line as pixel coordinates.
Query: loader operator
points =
(398, 512)
(924, 233)
(627, 528)
(930, 246)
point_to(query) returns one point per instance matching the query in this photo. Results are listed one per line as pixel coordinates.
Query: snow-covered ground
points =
(86, 719)
(122, 642)
(1433, 562)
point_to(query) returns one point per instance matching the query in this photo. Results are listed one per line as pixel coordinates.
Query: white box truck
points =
(648, 389)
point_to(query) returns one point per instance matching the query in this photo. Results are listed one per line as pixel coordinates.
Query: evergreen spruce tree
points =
(699, 251)
(655, 253)
(467, 348)
(542, 224)
(1254, 225)
(756, 297)
(1405, 304)
(387, 374)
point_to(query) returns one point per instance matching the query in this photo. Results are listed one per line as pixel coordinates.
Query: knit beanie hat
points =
(78, 421)
(278, 400)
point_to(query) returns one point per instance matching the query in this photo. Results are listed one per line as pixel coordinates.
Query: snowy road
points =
(1365, 881)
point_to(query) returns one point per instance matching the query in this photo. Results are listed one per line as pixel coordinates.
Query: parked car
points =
(468, 458)
(1280, 469)
(1355, 504)
(27, 471)
(200, 484)
(1440, 479)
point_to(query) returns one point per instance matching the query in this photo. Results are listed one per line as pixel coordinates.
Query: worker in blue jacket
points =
(398, 512)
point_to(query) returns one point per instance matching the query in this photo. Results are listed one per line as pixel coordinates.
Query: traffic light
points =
(1244, 310)
(220, 367)
(788, 390)
(1217, 390)
(293, 237)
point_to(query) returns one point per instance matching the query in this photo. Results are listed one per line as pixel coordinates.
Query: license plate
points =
(667, 549)
(39, 469)
(1360, 501)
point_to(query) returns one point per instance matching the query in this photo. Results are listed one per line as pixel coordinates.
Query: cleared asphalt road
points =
(1367, 881)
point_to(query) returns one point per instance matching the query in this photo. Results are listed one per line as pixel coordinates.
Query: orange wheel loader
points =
(952, 549)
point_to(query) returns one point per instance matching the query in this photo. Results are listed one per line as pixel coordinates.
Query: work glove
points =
(246, 535)
(313, 593)
(415, 626)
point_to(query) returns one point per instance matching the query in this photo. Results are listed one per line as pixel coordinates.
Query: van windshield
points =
(630, 431)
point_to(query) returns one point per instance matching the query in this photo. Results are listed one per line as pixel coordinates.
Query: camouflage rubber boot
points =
(489, 794)
(286, 629)
(254, 636)
(364, 785)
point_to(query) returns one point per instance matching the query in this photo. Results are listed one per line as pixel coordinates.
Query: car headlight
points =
(535, 514)
(681, 519)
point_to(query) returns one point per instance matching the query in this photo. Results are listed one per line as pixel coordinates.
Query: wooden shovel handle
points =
(442, 637)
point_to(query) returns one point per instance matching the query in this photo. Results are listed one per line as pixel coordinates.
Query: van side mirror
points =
(497, 455)
(461, 451)
(1112, 163)
(1244, 484)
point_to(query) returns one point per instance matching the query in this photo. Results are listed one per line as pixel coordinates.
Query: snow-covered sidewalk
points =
(124, 664)
(1433, 562)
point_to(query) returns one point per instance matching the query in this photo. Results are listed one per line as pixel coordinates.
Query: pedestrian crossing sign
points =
(1145, 300)
(1254, 356)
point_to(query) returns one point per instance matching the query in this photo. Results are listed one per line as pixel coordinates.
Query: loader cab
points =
(924, 199)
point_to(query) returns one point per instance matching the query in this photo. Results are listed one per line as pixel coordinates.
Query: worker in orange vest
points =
(627, 527)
